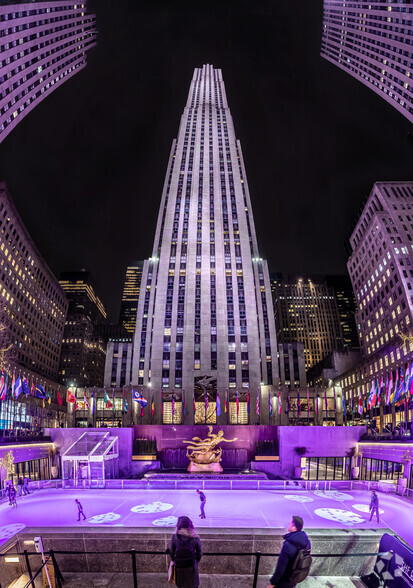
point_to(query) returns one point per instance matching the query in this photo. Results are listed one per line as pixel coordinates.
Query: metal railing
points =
(384, 486)
(258, 555)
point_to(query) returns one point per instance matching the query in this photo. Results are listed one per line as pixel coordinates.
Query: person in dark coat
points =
(79, 510)
(294, 540)
(20, 485)
(186, 538)
(374, 506)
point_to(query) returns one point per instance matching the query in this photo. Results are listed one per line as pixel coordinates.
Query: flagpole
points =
(308, 407)
(288, 407)
(113, 407)
(123, 407)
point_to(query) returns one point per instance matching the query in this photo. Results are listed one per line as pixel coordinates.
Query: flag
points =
(280, 406)
(2, 387)
(13, 384)
(388, 393)
(183, 403)
(325, 401)
(298, 403)
(137, 397)
(44, 404)
(218, 405)
(395, 386)
(372, 395)
(142, 411)
(226, 401)
(6, 387)
(49, 396)
(26, 387)
(33, 389)
(193, 401)
(85, 400)
(237, 402)
(70, 397)
(18, 387)
(173, 405)
(108, 402)
(206, 403)
(270, 404)
(153, 405)
(59, 397)
(248, 401)
(40, 393)
(125, 405)
(381, 385)
(308, 402)
(335, 401)
(360, 403)
(344, 406)
(257, 410)
(288, 402)
(352, 402)
(162, 402)
(316, 402)
(94, 402)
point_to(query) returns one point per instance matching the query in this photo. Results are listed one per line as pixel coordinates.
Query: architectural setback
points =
(130, 296)
(372, 41)
(205, 317)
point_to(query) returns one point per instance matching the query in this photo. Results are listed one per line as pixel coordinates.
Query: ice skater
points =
(13, 494)
(374, 506)
(20, 485)
(202, 498)
(79, 511)
(26, 486)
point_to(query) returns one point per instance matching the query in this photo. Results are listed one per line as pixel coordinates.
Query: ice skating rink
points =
(224, 509)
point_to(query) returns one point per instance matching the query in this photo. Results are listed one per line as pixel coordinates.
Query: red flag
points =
(70, 397)
(280, 408)
(59, 398)
(85, 400)
(258, 401)
(237, 402)
(193, 402)
(33, 389)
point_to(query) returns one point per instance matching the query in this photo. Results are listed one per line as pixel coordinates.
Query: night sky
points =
(86, 167)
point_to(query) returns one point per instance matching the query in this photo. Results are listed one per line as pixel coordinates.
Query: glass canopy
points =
(94, 456)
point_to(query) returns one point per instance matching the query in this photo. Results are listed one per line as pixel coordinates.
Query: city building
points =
(306, 310)
(205, 321)
(130, 296)
(291, 364)
(82, 360)
(43, 44)
(372, 42)
(381, 271)
(332, 366)
(34, 304)
(118, 365)
(346, 304)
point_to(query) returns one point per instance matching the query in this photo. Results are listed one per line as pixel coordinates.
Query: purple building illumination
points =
(372, 41)
(42, 45)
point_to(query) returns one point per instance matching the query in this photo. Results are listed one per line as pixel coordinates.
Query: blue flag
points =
(18, 387)
(218, 404)
(26, 387)
(125, 405)
(40, 393)
(139, 398)
(94, 402)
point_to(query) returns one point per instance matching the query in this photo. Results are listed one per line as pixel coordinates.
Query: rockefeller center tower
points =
(205, 333)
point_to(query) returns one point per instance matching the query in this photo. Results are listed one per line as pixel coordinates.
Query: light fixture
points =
(15, 559)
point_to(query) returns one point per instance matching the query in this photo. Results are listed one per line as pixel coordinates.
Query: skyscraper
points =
(372, 42)
(43, 44)
(82, 361)
(205, 317)
(130, 296)
(306, 310)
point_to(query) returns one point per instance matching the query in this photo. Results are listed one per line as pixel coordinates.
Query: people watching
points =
(186, 552)
(289, 571)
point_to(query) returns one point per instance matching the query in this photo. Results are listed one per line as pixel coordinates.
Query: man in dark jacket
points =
(202, 498)
(294, 540)
(374, 506)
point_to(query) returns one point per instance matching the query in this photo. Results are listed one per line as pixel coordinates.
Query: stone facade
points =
(205, 309)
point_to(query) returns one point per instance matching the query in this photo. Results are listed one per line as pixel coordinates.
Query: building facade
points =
(118, 365)
(130, 296)
(205, 317)
(43, 44)
(372, 41)
(82, 360)
(306, 310)
(291, 364)
(346, 304)
(34, 304)
(381, 271)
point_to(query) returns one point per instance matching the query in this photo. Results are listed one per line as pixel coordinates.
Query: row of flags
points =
(12, 387)
(401, 388)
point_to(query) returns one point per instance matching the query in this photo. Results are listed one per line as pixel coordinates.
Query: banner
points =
(395, 566)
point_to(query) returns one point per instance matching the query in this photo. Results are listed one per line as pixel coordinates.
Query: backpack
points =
(301, 564)
(185, 553)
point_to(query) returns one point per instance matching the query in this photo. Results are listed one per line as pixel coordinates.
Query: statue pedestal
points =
(214, 468)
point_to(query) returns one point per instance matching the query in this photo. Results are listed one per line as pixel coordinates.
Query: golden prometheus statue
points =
(203, 454)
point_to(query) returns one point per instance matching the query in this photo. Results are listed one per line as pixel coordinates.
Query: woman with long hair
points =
(185, 551)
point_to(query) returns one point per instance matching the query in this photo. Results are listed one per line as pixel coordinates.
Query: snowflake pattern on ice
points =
(298, 498)
(166, 521)
(365, 508)
(107, 517)
(8, 531)
(152, 507)
(340, 516)
(333, 494)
